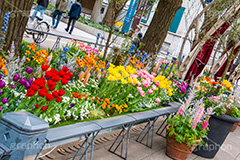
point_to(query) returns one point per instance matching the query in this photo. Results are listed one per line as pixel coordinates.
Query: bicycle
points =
(40, 25)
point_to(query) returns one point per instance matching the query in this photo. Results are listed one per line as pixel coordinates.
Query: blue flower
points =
(132, 49)
(66, 49)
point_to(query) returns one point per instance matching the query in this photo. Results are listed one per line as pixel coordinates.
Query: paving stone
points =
(229, 151)
(157, 156)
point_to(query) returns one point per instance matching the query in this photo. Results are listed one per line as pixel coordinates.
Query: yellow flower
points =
(135, 81)
(123, 81)
(130, 80)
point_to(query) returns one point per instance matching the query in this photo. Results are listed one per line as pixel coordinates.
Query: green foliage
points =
(181, 129)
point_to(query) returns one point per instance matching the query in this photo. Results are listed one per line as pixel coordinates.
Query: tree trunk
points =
(17, 22)
(107, 20)
(95, 17)
(226, 69)
(158, 29)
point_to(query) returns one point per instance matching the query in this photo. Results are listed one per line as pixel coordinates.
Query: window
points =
(176, 21)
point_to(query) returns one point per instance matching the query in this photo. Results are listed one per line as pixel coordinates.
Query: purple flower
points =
(2, 84)
(29, 70)
(0, 93)
(1, 76)
(0, 108)
(166, 104)
(12, 86)
(30, 80)
(16, 77)
(27, 85)
(4, 100)
(22, 81)
(72, 105)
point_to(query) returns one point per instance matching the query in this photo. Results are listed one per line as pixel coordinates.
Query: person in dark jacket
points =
(74, 15)
(41, 6)
(61, 6)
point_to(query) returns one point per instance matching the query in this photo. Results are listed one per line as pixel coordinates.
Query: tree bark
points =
(109, 14)
(159, 27)
(20, 11)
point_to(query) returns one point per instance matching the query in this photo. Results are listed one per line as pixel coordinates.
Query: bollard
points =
(23, 133)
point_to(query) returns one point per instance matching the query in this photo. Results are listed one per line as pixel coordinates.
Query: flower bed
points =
(74, 84)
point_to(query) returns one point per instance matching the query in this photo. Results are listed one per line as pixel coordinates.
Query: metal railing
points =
(59, 37)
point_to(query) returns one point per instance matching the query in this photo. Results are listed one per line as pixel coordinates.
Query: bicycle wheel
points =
(39, 37)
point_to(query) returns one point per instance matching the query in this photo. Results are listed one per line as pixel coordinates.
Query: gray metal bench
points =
(93, 128)
(149, 116)
(126, 122)
(76, 130)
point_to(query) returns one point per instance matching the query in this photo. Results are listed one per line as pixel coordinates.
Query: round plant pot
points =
(176, 150)
(219, 128)
(235, 126)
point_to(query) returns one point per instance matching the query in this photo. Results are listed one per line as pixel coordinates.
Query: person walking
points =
(61, 6)
(41, 6)
(74, 15)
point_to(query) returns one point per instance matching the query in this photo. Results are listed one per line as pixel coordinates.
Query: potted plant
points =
(186, 129)
(227, 113)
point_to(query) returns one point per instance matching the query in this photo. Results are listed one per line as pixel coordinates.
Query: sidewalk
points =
(49, 42)
(229, 150)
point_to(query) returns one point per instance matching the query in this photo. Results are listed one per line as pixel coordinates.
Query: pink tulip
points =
(157, 83)
(150, 91)
(157, 100)
(153, 74)
(139, 89)
(142, 94)
(154, 87)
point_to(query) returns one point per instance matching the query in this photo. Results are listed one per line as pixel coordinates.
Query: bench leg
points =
(150, 127)
(163, 126)
(94, 135)
(125, 132)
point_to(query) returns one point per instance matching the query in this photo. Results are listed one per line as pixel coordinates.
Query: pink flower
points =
(157, 100)
(154, 70)
(205, 124)
(157, 83)
(144, 76)
(197, 116)
(153, 74)
(150, 91)
(103, 74)
(142, 93)
(209, 110)
(154, 87)
(180, 110)
(139, 89)
(139, 84)
(151, 77)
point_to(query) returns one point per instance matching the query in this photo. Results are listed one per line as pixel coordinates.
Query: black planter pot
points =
(220, 127)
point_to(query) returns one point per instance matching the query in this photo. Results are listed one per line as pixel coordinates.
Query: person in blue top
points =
(74, 15)
(41, 6)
